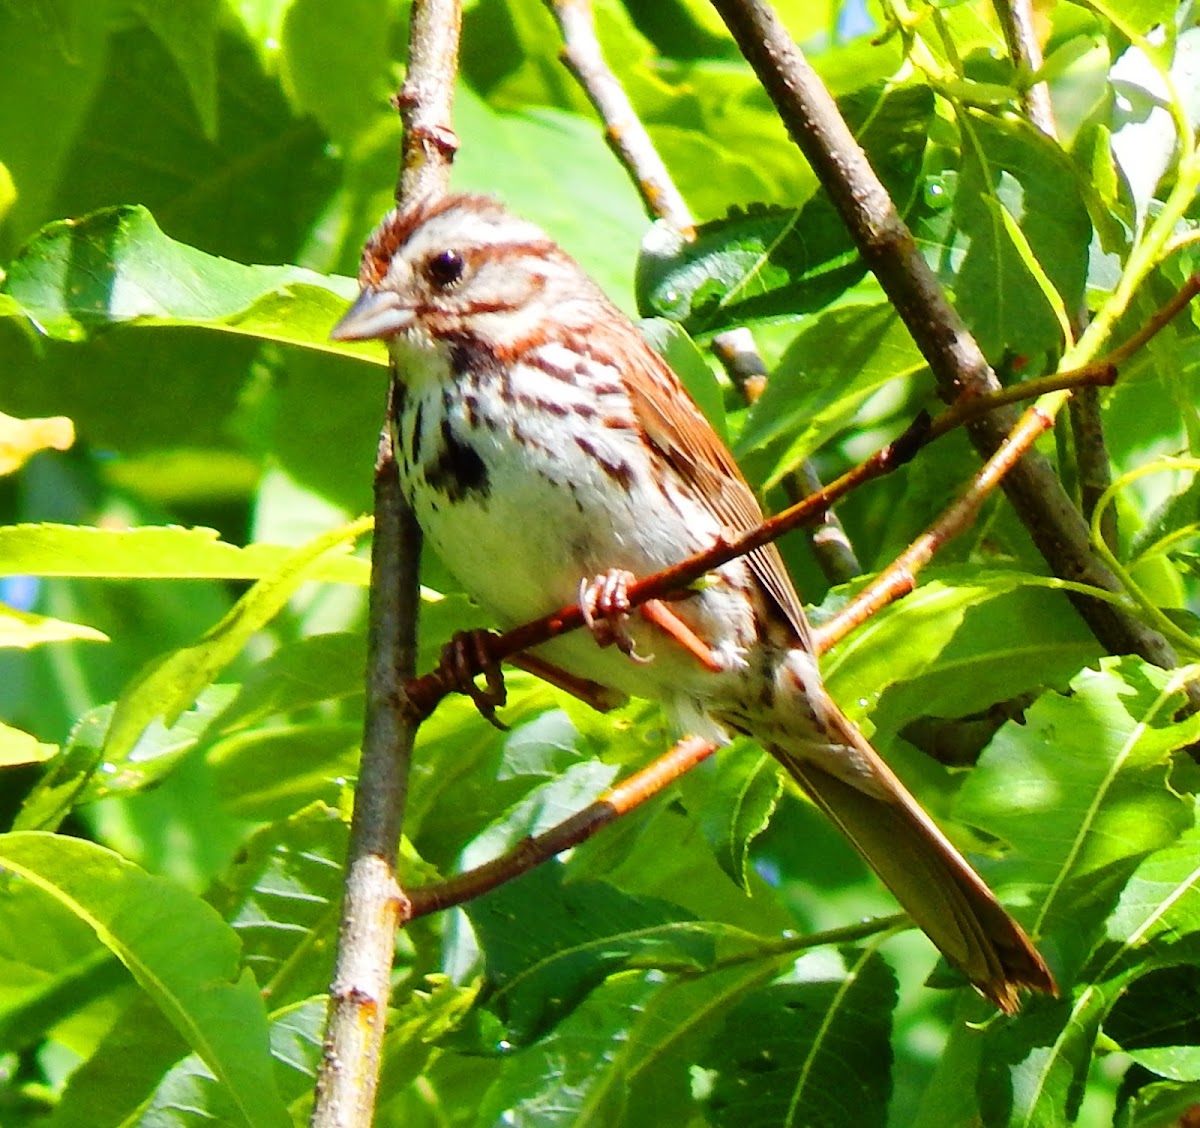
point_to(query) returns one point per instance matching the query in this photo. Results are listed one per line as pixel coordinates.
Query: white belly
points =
(533, 516)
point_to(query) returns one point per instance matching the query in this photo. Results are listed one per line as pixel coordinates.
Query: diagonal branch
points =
(530, 852)
(423, 693)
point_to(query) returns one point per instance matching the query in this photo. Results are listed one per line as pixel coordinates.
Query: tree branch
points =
(959, 367)
(629, 140)
(530, 852)
(374, 905)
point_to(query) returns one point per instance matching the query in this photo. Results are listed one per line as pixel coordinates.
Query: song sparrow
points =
(549, 454)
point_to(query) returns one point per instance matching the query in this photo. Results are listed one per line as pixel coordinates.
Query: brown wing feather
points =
(674, 424)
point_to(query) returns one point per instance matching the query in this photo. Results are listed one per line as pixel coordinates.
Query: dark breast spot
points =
(618, 470)
(457, 471)
(418, 423)
(472, 359)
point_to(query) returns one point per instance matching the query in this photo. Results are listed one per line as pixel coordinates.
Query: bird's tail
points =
(933, 882)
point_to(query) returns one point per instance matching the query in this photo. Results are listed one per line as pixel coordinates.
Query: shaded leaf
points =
(812, 1051)
(548, 944)
(734, 804)
(837, 361)
(1017, 228)
(191, 970)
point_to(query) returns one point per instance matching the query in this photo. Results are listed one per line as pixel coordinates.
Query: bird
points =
(551, 456)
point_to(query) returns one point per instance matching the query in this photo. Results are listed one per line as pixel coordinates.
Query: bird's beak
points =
(375, 313)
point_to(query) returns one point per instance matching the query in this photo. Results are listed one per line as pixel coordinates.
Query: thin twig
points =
(374, 905)
(628, 138)
(530, 852)
(899, 577)
(623, 129)
(1016, 19)
(959, 367)
(738, 354)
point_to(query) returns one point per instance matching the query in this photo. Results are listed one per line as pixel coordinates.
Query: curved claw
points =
(465, 657)
(604, 604)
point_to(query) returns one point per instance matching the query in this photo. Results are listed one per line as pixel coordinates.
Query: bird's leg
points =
(658, 613)
(600, 697)
(604, 602)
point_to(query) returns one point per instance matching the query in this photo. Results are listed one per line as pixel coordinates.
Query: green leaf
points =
(127, 1066)
(1083, 815)
(1038, 1067)
(771, 263)
(961, 642)
(268, 772)
(302, 674)
(17, 747)
(541, 809)
(170, 685)
(820, 1044)
(24, 629)
(1136, 17)
(319, 41)
(160, 552)
(547, 944)
(189, 33)
(416, 1029)
(733, 805)
(837, 361)
(52, 59)
(766, 263)
(80, 773)
(191, 969)
(116, 266)
(1017, 229)
(282, 897)
(576, 1074)
(1157, 1104)
(1155, 1022)
(1143, 129)
(252, 193)
(461, 779)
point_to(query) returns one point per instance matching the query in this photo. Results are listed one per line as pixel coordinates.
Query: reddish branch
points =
(533, 851)
(425, 692)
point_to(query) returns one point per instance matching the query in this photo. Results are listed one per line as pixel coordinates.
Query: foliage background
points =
(165, 952)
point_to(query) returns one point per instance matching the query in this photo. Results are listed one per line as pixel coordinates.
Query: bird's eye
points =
(445, 269)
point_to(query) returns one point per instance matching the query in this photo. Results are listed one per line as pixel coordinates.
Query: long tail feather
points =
(932, 881)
